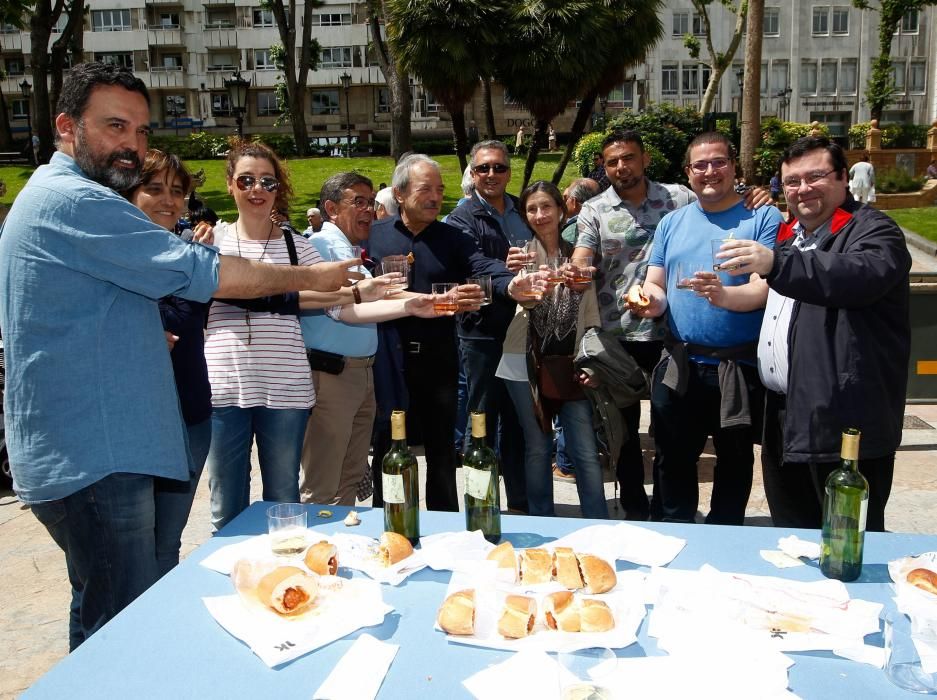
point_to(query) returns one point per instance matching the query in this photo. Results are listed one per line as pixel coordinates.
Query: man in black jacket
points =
(835, 341)
(492, 218)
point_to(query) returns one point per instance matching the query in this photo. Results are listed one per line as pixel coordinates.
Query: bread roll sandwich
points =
(394, 548)
(566, 568)
(322, 558)
(924, 579)
(561, 612)
(504, 556)
(598, 574)
(595, 616)
(518, 616)
(536, 566)
(637, 298)
(457, 613)
(288, 590)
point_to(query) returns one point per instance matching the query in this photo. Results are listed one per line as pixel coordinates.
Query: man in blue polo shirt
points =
(92, 415)
(707, 383)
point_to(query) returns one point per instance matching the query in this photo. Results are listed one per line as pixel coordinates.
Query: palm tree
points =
(448, 45)
(560, 47)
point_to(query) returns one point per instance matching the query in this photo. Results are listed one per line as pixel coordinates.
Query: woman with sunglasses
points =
(160, 194)
(537, 362)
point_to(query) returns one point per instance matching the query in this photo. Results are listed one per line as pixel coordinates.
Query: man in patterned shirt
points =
(617, 229)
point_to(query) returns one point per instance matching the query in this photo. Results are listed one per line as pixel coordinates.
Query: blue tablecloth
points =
(166, 645)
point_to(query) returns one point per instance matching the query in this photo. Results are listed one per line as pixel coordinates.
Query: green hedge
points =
(895, 180)
(893, 135)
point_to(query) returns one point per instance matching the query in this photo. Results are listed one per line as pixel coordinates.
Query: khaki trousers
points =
(338, 434)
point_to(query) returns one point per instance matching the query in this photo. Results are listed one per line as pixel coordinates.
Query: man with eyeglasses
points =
(492, 218)
(835, 342)
(707, 382)
(92, 412)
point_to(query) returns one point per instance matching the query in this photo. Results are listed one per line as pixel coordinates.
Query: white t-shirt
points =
(270, 370)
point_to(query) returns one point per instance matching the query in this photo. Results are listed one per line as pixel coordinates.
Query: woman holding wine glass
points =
(537, 364)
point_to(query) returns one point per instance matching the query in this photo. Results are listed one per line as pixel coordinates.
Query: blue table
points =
(166, 645)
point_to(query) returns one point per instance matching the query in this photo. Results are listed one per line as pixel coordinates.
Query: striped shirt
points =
(258, 358)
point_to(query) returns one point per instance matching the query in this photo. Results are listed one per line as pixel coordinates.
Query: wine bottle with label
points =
(482, 490)
(844, 511)
(400, 481)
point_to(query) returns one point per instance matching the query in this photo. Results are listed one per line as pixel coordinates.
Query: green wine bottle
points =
(482, 490)
(400, 482)
(844, 511)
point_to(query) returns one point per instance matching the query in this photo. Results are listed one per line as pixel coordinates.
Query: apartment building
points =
(816, 60)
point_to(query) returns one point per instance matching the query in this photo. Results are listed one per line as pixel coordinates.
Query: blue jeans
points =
(106, 531)
(174, 499)
(279, 433)
(486, 393)
(576, 419)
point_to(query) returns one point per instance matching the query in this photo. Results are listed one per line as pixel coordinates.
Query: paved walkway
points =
(34, 588)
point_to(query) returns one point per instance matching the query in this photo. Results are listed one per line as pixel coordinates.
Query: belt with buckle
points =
(412, 347)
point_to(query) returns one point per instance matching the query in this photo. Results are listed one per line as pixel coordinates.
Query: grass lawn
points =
(308, 174)
(923, 220)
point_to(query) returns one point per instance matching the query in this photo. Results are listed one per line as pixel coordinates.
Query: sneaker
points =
(560, 475)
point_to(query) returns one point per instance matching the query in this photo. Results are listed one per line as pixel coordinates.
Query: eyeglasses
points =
(793, 182)
(485, 168)
(247, 182)
(361, 203)
(701, 166)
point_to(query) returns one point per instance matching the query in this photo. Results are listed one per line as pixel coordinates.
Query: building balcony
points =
(160, 77)
(165, 36)
(220, 38)
(11, 42)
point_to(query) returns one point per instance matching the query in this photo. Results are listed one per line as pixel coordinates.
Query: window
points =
(808, 77)
(840, 20)
(325, 102)
(917, 74)
(267, 104)
(778, 79)
(14, 65)
(263, 18)
(668, 79)
(263, 60)
(110, 21)
(699, 26)
(897, 75)
(222, 61)
(331, 19)
(383, 101)
(772, 21)
(828, 71)
(220, 104)
(848, 76)
(19, 108)
(6, 28)
(836, 122)
(57, 28)
(335, 57)
(690, 80)
(168, 20)
(622, 95)
(123, 59)
(821, 21)
(763, 79)
(175, 106)
(432, 104)
(681, 23)
(218, 19)
(909, 23)
(167, 62)
(732, 75)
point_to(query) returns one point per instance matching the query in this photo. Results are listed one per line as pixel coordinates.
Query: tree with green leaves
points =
(448, 45)
(718, 61)
(295, 67)
(561, 48)
(881, 87)
(397, 79)
(12, 12)
(751, 91)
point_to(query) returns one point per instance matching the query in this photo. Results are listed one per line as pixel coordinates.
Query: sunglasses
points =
(485, 168)
(247, 182)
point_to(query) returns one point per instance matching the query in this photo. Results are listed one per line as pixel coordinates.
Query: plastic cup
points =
(397, 264)
(587, 673)
(286, 526)
(902, 658)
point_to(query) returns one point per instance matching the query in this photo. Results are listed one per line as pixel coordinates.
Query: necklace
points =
(237, 237)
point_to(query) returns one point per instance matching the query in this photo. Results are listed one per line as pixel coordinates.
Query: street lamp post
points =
(603, 105)
(784, 99)
(740, 76)
(237, 93)
(346, 85)
(26, 89)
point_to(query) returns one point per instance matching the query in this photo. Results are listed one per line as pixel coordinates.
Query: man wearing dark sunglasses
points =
(492, 218)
